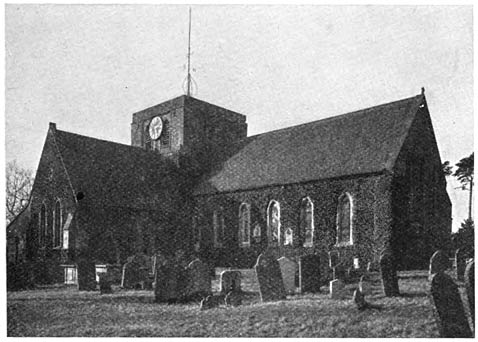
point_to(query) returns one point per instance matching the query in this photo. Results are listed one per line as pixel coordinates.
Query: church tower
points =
(187, 125)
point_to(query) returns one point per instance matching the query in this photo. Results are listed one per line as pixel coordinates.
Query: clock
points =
(155, 128)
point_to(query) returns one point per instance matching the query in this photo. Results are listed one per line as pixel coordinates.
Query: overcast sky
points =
(89, 67)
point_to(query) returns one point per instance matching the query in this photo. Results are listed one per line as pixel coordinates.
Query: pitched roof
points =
(364, 141)
(114, 174)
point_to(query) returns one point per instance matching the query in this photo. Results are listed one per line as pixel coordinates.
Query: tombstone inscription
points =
(269, 277)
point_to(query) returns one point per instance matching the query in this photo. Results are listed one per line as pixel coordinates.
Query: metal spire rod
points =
(189, 56)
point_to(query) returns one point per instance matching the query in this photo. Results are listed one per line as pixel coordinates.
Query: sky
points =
(89, 67)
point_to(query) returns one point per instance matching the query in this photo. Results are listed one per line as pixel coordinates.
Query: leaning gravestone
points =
(230, 281)
(199, 279)
(86, 275)
(269, 277)
(451, 316)
(439, 262)
(470, 287)
(288, 270)
(136, 271)
(309, 273)
(460, 262)
(389, 275)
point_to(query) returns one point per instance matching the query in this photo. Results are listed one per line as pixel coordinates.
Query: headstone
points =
(199, 279)
(269, 277)
(105, 283)
(337, 289)
(230, 281)
(389, 275)
(333, 258)
(309, 273)
(460, 261)
(365, 285)
(438, 262)
(470, 287)
(450, 313)
(288, 270)
(170, 282)
(136, 271)
(233, 299)
(86, 275)
(359, 300)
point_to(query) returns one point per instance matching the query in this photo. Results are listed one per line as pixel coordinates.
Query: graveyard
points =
(65, 311)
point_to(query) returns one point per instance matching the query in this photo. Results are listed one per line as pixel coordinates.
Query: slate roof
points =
(115, 174)
(360, 142)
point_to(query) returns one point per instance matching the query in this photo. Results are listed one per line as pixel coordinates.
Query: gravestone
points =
(105, 283)
(199, 279)
(389, 275)
(470, 287)
(337, 289)
(209, 302)
(86, 275)
(230, 281)
(359, 300)
(309, 273)
(170, 282)
(460, 262)
(136, 271)
(438, 263)
(269, 277)
(233, 298)
(365, 285)
(288, 270)
(450, 313)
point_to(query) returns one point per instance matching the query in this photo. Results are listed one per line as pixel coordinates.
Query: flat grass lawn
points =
(67, 312)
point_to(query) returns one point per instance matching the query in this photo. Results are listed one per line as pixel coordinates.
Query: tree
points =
(464, 173)
(18, 187)
(447, 168)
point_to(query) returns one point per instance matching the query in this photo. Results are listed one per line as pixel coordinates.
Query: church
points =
(193, 180)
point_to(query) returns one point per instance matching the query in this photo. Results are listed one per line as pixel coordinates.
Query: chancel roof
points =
(361, 142)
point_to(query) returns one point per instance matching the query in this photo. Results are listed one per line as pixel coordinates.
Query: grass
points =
(66, 312)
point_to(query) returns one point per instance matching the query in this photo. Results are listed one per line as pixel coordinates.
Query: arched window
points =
(219, 227)
(244, 225)
(42, 225)
(345, 219)
(165, 134)
(273, 223)
(306, 221)
(57, 222)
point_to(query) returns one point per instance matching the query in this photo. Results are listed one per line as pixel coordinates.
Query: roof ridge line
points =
(355, 112)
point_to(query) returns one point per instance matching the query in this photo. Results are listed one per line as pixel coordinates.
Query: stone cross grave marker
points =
(470, 287)
(389, 275)
(438, 263)
(269, 277)
(230, 281)
(86, 273)
(199, 279)
(450, 313)
(460, 262)
(288, 270)
(309, 273)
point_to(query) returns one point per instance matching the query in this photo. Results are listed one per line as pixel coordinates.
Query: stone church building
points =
(193, 179)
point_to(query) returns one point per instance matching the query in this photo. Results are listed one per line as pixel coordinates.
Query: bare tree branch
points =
(19, 183)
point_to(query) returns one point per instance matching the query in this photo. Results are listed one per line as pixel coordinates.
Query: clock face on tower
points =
(155, 128)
